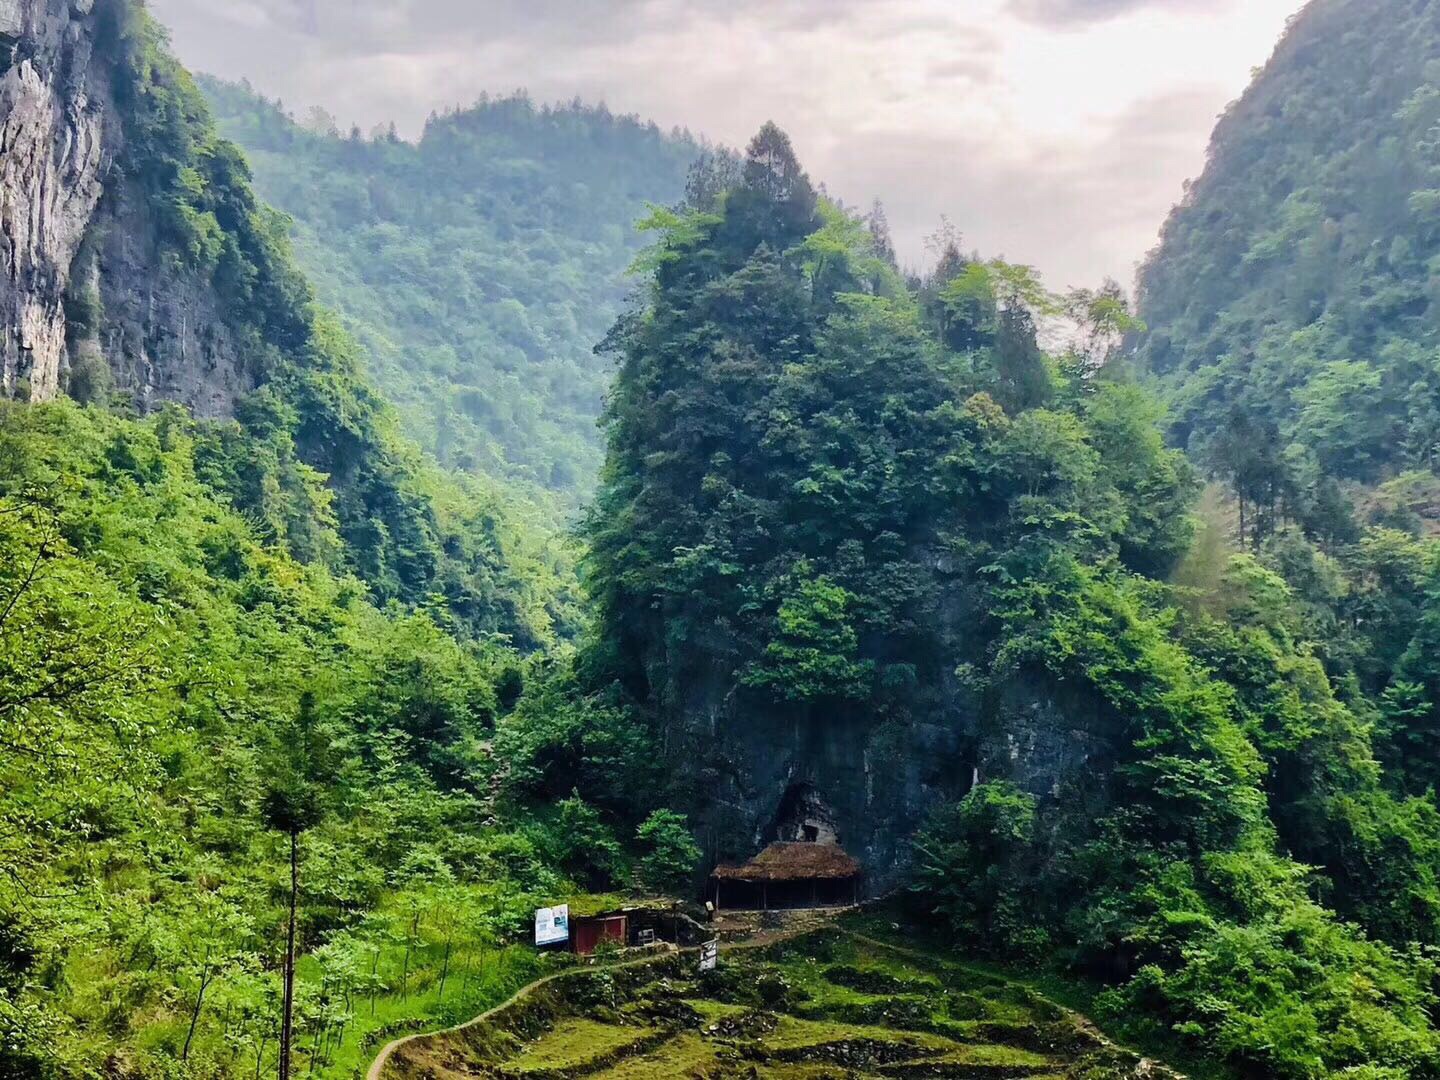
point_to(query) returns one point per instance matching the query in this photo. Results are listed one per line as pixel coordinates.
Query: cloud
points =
(1047, 135)
(1063, 13)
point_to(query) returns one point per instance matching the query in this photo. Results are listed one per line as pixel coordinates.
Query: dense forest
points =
(478, 266)
(305, 707)
(835, 494)
(1291, 305)
(273, 678)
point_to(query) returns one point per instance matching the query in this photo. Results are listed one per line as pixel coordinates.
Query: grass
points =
(475, 983)
(1063, 988)
(795, 1034)
(815, 1008)
(685, 1055)
(575, 1043)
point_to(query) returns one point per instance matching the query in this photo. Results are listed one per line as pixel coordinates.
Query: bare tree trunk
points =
(199, 1002)
(288, 1015)
(444, 969)
(409, 944)
(374, 982)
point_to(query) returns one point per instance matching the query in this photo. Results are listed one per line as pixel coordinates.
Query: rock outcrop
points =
(51, 158)
(91, 301)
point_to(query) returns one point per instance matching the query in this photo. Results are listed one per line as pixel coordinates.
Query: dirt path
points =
(761, 940)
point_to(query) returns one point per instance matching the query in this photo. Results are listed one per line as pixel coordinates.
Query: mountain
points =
(1293, 317)
(256, 650)
(144, 272)
(479, 266)
(877, 568)
(298, 728)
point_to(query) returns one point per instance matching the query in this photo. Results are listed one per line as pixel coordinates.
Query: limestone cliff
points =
(51, 157)
(92, 299)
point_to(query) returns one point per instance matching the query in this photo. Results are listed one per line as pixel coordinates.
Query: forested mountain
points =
(863, 546)
(297, 726)
(479, 267)
(1294, 321)
(278, 705)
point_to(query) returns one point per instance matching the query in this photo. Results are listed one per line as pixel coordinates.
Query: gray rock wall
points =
(751, 775)
(51, 158)
(74, 224)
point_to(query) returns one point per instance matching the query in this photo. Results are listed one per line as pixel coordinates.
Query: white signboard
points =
(709, 955)
(552, 925)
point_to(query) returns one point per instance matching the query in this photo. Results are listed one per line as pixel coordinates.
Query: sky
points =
(1051, 132)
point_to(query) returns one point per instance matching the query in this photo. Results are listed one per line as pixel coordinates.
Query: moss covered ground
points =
(823, 1005)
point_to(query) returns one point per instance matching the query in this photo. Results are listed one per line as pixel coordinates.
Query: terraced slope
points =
(819, 1006)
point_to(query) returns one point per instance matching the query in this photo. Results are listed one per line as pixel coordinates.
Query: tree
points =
(583, 845)
(775, 202)
(298, 774)
(879, 226)
(813, 654)
(972, 858)
(1248, 454)
(669, 853)
(1022, 373)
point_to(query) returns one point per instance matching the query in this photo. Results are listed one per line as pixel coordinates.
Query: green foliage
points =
(1295, 281)
(478, 267)
(813, 656)
(973, 865)
(669, 856)
(178, 693)
(791, 452)
(827, 494)
(314, 453)
(581, 843)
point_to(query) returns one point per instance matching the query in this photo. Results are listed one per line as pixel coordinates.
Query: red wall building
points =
(586, 933)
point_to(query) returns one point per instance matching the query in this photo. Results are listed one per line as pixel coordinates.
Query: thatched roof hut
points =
(789, 874)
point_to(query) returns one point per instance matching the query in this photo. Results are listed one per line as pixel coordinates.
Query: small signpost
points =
(710, 955)
(552, 925)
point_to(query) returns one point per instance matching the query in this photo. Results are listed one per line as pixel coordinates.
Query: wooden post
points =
(764, 896)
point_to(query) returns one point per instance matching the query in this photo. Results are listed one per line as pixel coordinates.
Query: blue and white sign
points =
(552, 925)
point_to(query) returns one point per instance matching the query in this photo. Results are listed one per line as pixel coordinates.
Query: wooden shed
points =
(588, 931)
(789, 874)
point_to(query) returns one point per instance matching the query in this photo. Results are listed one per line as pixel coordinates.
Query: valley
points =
(399, 538)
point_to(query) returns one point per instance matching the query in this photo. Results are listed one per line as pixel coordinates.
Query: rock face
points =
(77, 234)
(51, 150)
(844, 777)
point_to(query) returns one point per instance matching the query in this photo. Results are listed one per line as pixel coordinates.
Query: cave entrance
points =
(803, 817)
(803, 865)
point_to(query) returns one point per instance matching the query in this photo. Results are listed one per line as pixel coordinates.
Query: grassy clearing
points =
(820, 1007)
(575, 1043)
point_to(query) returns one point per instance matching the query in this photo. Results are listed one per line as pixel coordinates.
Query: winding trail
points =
(377, 1067)
(376, 1071)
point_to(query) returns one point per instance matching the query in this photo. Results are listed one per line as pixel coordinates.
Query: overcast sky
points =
(1053, 132)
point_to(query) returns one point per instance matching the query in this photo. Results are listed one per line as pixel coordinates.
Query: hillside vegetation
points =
(1294, 322)
(273, 687)
(297, 726)
(804, 1008)
(478, 267)
(839, 503)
